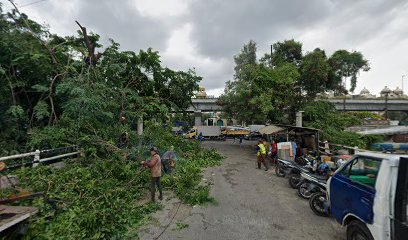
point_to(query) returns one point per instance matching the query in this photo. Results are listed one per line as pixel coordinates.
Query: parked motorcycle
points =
(283, 167)
(294, 174)
(310, 184)
(317, 202)
(302, 164)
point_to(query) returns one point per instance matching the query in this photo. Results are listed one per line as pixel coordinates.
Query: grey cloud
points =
(120, 21)
(221, 27)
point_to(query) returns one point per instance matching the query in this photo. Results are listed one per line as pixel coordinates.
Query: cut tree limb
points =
(92, 58)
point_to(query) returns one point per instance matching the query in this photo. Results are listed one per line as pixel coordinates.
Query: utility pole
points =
(271, 54)
(402, 83)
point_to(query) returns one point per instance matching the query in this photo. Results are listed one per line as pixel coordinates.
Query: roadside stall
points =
(292, 141)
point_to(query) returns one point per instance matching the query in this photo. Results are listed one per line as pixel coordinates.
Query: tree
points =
(314, 70)
(277, 86)
(288, 51)
(276, 94)
(245, 58)
(345, 65)
(60, 85)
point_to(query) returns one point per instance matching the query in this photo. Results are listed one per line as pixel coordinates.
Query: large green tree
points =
(314, 70)
(278, 85)
(346, 66)
(72, 88)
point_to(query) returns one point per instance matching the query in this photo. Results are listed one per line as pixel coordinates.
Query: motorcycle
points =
(310, 184)
(295, 174)
(317, 203)
(302, 164)
(283, 167)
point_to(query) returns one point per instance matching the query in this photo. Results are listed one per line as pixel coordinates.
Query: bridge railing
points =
(41, 157)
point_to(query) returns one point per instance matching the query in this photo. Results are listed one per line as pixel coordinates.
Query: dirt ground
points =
(250, 204)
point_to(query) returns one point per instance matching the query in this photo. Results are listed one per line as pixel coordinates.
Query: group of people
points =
(266, 153)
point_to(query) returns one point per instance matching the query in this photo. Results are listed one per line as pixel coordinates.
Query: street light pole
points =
(402, 83)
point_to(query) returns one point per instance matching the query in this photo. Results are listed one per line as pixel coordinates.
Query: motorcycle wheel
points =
(316, 203)
(294, 181)
(303, 191)
(279, 172)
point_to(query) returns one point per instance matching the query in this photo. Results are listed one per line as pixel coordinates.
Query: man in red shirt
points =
(274, 151)
(155, 168)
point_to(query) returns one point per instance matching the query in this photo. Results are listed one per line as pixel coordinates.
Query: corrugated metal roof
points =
(386, 131)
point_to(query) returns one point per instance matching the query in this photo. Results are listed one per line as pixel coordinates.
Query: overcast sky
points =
(206, 34)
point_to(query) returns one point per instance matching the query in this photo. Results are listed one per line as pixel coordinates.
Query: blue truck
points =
(369, 195)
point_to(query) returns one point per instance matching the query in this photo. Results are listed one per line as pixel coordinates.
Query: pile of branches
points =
(99, 198)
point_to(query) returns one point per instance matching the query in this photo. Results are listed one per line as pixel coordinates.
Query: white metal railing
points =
(71, 151)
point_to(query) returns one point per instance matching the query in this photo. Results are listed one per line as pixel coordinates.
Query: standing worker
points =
(155, 167)
(268, 150)
(261, 154)
(274, 152)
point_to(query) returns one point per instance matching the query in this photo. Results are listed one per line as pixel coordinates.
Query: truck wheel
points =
(316, 203)
(356, 230)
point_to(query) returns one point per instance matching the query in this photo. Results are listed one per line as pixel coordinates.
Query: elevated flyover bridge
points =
(371, 105)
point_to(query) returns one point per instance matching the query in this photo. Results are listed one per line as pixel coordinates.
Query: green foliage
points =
(314, 70)
(322, 115)
(46, 81)
(348, 65)
(246, 57)
(275, 87)
(288, 51)
(41, 110)
(51, 96)
(101, 198)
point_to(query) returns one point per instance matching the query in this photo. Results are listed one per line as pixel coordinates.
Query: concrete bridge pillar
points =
(197, 118)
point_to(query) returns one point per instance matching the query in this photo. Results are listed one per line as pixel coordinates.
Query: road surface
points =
(251, 204)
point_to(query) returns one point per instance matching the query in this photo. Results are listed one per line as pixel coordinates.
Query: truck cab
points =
(369, 195)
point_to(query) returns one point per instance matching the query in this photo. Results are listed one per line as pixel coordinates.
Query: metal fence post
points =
(36, 158)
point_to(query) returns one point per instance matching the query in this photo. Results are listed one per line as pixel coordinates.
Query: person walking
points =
(261, 154)
(240, 139)
(156, 170)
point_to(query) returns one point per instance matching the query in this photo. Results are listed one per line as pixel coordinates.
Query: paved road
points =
(252, 204)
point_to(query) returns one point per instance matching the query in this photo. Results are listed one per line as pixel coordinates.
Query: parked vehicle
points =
(208, 132)
(310, 184)
(283, 167)
(302, 164)
(369, 195)
(235, 131)
(253, 136)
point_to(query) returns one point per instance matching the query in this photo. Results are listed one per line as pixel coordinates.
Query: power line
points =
(32, 3)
